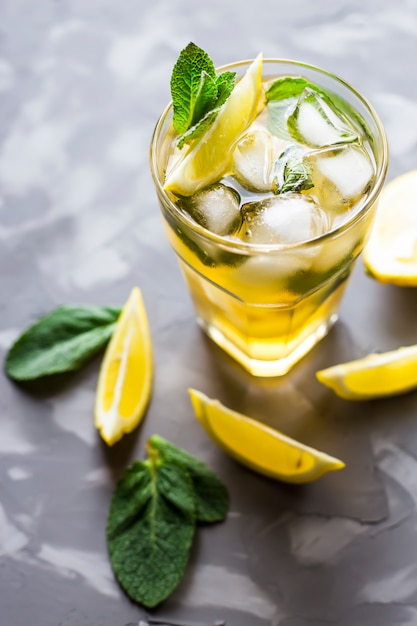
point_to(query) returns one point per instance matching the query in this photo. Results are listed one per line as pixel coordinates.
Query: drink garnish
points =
(287, 87)
(61, 341)
(126, 374)
(209, 158)
(303, 99)
(374, 376)
(259, 447)
(291, 172)
(152, 519)
(390, 256)
(211, 496)
(197, 93)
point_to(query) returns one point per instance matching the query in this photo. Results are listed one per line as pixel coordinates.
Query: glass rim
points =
(244, 247)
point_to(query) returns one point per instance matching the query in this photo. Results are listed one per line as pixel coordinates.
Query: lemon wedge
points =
(125, 379)
(259, 447)
(390, 255)
(210, 157)
(374, 376)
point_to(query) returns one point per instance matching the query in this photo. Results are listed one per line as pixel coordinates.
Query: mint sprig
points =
(197, 92)
(61, 341)
(152, 519)
(291, 172)
(150, 529)
(211, 496)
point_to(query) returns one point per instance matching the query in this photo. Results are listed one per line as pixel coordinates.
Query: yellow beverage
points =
(266, 269)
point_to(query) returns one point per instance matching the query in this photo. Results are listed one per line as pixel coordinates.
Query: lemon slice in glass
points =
(125, 379)
(210, 157)
(390, 255)
(374, 376)
(258, 446)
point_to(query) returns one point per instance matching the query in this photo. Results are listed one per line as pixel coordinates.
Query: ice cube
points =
(284, 219)
(268, 274)
(337, 252)
(315, 123)
(216, 208)
(254, 157)
(341, 175)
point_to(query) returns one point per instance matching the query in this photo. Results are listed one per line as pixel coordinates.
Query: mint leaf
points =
(197, 93)
(224, 86)
(292, 173)
(212, 497)
(287, 87)
(198, 129)
(225, 83)
(192, 93)
(150, 528)
(152, 519)
(206, 97)
(292, 87)
(61, 341)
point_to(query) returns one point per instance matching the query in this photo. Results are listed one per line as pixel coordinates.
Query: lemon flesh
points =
(259, 447)
(210, 157)
(374, 376)
(390, 255)
(125, 379)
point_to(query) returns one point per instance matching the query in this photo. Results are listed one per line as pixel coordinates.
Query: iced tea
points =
(266, 249)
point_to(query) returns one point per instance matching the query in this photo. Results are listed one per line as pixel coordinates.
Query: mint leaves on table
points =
(291, 172)
(211, 496)
(152, 519)
(197, 92)
(61, 341)
(150, 529)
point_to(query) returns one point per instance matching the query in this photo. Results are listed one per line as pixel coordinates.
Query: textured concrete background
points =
(81, 85)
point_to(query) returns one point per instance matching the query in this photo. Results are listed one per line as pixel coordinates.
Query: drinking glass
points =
(268, 305)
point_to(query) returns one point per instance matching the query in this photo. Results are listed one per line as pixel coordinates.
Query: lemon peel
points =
(210, 157)
(259, 447)
(390, 256)
(374, 376)
(125, 380)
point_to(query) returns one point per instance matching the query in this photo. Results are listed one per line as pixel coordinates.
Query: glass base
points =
(273, 367)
